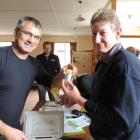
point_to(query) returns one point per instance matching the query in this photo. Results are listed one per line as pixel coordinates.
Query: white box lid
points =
(47, 124)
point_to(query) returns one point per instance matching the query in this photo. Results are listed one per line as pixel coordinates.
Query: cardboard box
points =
(47, 125)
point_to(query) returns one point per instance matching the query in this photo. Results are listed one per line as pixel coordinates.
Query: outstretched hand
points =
(57, 80)
(71, 91)
(14, 134)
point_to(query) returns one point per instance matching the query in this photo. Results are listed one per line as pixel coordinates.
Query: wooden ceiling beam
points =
(113, 4)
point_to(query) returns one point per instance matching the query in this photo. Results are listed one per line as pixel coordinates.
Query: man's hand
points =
(10, 133)
(14, 134)
(71, 91)
(57, 80)
(65, 100)
(71, 95)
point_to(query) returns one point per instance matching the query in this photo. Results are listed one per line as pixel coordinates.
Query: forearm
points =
(81, 101)
(3, 127)
(11, 133)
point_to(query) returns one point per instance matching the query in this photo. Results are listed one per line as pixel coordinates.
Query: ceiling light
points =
(80, 17)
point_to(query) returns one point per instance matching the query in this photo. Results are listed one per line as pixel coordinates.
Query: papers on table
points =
(74, 125)
(81, 121)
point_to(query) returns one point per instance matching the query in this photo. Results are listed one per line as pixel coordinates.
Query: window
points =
(5, 43)
(62, 50)
(129, 17)
(131, 41)
(135, 42)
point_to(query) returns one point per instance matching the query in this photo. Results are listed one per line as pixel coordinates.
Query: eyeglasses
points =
(30, 35)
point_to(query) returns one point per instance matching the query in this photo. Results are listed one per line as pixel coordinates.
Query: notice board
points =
(83, 60)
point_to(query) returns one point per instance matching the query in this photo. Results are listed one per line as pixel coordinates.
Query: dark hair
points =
(131, 49)
(21, 21)
(48, 43)
(137, 52)
(106, 15)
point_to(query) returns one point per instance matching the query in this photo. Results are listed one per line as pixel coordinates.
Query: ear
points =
(15, 32)
(118, 33)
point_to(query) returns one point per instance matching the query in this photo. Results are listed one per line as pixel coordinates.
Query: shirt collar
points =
(108, 56)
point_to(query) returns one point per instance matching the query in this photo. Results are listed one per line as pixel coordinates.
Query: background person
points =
(114, 102)
(18, 70)
(137, 53)
(51, 63)
(131, 49)
(49, 60)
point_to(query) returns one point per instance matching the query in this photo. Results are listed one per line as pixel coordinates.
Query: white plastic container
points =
(48, 125)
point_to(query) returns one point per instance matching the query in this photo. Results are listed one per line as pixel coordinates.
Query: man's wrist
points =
(3, 128)
(82, 101)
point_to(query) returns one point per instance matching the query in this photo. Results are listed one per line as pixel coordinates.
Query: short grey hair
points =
(21, 21)
(107, 15)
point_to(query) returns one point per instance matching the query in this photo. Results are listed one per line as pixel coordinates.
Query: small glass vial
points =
(68, 74)
(55, 93)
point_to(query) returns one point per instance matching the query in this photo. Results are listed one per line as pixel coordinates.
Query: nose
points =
(31, 39)
(97, 38)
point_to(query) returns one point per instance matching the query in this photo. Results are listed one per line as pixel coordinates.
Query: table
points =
(84, 136)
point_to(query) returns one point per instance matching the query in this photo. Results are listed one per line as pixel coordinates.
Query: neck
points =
(46, 54)
(108, 56)
(18, 53)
